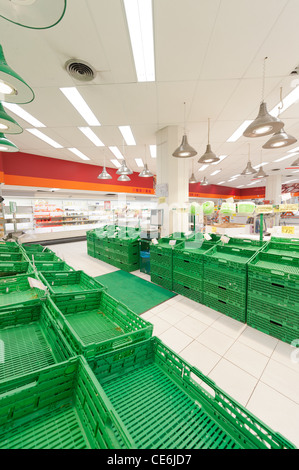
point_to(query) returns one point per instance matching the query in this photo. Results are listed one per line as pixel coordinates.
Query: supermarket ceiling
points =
(207, 53)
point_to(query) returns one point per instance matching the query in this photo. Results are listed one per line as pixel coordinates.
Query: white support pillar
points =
(273, 189)
(175, 173)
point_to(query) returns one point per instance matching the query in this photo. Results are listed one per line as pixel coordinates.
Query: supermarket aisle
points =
(257, 370)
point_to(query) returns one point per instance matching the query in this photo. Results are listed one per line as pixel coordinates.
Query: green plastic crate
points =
(228, 278)
(42, 266)
(187, 291)
(161, 281)
(277, 329)
(231, 296)
(228, 257)
(275, 288)
(159, 399)
(60, 407)
(16, 290)
(31, 340)
(282, 249)
(188, 256)
(36, 248)
(97, 323)
(246, 243)
(11, 247)
(61, 283)
(162, 271)
(188, 280)
(43, 256)
(226, 307)
(283, 269)
(11, 268)
(11, 256)
(278, 311)
(293, 241)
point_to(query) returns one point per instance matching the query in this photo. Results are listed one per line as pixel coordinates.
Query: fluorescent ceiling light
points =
(127, 135)
(116, 163)
(290, 181)
(117, 153)
(239, 132)
(241, 186)
(290, 99)
(74, 97)
(55, 189)
(221, 182)
(289, 151)
(260, 164)
(16, 109)
(91, 136)
(140, 23)
(253, 182)
(203, 167)
(79, 154)
(153, 151)
(285, 157)
(139, 162)
(45, 138)
(295, 171)
(221, 157)
(215, 172)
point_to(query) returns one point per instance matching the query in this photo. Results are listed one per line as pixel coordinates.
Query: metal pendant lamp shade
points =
(6, 145)
(204, 182)
(260, 173)
(124, 170)
(279, 139)
(7, 124)
(13, 89)
(296, 162)
(208, 156)
(264, 124)
(123, 178)
(104, 175)
(248, 170)
(184, 150)
(33, 14)
(145, 173)
(192, 180)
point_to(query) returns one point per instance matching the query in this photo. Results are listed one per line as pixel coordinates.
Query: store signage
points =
(107, 205)
(288, 207)
(264, 209)
(288, 230)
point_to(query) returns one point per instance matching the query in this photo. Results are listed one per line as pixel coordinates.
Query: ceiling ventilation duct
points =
(80, 70)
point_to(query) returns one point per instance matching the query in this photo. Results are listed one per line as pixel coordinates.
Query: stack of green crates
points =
(69, 282)
(17, 290)
(273, 291)
(188, 267)
(225, 280)
(13, 260)
(90, 238)
(43, 259)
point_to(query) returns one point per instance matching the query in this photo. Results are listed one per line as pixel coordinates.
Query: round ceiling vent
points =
(80, 70)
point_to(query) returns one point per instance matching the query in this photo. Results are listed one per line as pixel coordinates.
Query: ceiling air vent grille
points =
(80, 70)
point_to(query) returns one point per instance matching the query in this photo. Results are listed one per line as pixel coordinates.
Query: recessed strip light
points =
(260, 164)
(45, 138)
(221, 157)
(203, 167)
(285, 157)
(79, 154)
(290, 181)
(221, 182)
(215, 172)
(240, 186)
(91, 136)
(117, 153)
(16, 109)
(239, 132)
(74, 97)
(139, 15)
(139, 162)
(295, 171)
(127, 135)
(116, 163)
(153, 151)
(296, 149)
(290, 99)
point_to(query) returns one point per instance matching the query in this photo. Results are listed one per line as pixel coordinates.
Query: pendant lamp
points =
(124, 170)
(192, 179)
(281, 138)
(33, 14)
(204, 182)
(264, 123)
(184, 150)
(248, 169)
(123, 178)
(6, 145)
(13, 89)
(145, 173)
(296, 162)
(208, 156)
(261, 173)
(104, 175)
(7, 124)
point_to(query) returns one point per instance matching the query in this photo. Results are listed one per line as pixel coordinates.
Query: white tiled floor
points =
(259, 371)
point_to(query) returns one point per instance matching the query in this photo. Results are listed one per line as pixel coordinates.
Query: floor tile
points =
(283, 379)
(191, 326)
(277, 411)
(171, 314)
(229, 326)
(234, 381)
(200, 356)
(287, 355)
(215, 340)
(257, 340)
(247, 359)
(175, 339)
(205, 314)
(160, 325)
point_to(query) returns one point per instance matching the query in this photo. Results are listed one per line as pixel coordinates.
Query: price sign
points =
(287, 229)
(288, 207)
(214, 229)
(264, 209)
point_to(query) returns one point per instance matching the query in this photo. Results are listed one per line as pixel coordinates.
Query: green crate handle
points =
(9, 265)
(18, 390)
(222, 261)
(280, 273)
(287, 258)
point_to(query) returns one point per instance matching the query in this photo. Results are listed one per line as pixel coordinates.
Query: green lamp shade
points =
(246, 208)
(6, 145)
(227, 208)
(34, 14)
(13, 89)
(7, 124)
(208, 207)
